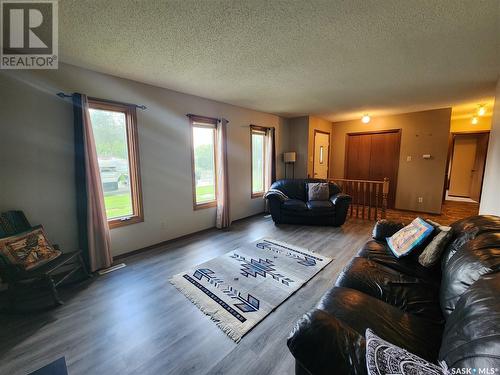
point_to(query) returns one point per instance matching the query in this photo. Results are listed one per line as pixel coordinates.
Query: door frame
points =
(449, 158)
(398, 131)
(328, 154)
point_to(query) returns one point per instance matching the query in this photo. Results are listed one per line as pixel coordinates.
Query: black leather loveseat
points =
(450, 313)
(296, 209)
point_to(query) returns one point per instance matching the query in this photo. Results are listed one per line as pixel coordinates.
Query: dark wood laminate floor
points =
(133, 321)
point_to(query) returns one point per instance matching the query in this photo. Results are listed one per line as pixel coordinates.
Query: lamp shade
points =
(290, 157)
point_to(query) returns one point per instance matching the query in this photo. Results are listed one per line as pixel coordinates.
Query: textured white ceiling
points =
(336, 59)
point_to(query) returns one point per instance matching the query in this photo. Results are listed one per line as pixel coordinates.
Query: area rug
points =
(240, 288)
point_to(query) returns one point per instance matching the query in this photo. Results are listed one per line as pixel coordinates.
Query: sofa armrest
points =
(275, 194)
(385, 228)
(322, 344)
(341, 202)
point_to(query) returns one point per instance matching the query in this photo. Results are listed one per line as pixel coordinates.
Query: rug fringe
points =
(216, 315)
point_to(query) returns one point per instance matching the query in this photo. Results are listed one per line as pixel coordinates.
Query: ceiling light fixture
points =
(365, 119)
(481, 111)
(474, 120)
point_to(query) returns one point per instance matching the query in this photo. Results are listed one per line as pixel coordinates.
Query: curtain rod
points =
(191, 115)
(140, 106)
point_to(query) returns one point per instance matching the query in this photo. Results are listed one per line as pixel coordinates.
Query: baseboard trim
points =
(180, 238)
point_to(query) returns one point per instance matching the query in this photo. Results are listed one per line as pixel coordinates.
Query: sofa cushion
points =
(383, 357)
(433, 251)
(294, 205)
(477, 257)
(293, 189)
(318, 191)
(471, 337)
(468, 229)
(405, 240)
(320, 206)
(361, 311)
(379, 252)
(407, 293)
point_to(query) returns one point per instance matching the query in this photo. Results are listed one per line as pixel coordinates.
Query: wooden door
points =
(479, 164)
(374, 156)
(321, 154)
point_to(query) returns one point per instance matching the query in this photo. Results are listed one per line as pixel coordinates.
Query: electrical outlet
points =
(420, 200)
(408, 158)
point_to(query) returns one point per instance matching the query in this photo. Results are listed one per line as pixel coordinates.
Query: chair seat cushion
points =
(29, 249)
(320, 205)
(294, 205)
(407, 293)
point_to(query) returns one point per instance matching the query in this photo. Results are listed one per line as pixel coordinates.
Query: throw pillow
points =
(433, 251)
(408, 238)
(29, 249)
(384, 358)
(318, 191)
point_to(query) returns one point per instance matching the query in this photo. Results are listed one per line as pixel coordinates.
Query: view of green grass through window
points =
(110, 133)
(257, 162)
(204, 163)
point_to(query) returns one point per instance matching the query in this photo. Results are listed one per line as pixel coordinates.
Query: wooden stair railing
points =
(369, 198)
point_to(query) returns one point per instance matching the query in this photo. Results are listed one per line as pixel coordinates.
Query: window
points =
(203, 160)
(115, 133)
(258, 149)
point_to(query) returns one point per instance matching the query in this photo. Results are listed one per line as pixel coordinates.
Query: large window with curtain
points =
(258, 158)
(204, 166)
(114, 127)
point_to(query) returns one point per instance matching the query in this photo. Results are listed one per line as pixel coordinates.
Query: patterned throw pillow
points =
(432, 252)
(408, 238)
(318, 191)
(384, 358)
(29, 249)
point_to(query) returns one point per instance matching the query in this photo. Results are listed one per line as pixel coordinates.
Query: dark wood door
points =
(374, 156)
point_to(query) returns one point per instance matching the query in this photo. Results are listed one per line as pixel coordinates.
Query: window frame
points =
(133, 159)
(261, 131)
(202, 122)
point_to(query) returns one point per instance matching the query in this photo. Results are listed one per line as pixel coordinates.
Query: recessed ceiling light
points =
(481, 111)
(365, 119)
(474, 120)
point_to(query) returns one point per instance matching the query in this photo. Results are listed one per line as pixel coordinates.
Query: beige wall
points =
(458, 125)
(490, 201)
(298, 129)
(36, 154)
(316, 123)
(423, 132)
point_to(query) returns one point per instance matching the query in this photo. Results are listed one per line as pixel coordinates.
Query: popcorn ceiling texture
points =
(330, 58)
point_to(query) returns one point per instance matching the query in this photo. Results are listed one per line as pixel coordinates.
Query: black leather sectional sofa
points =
(450, 312)
(297, 209)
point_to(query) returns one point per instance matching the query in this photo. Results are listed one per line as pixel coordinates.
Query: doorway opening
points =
(466, 162)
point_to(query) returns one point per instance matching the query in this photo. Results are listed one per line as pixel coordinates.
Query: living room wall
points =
(423, 132)
(36, 154)
(490, 203)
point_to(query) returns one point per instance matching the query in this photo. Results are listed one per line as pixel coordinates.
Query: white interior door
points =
(321, 154)
(462, 166)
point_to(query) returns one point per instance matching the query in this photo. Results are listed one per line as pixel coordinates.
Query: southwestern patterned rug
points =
(240, 288)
